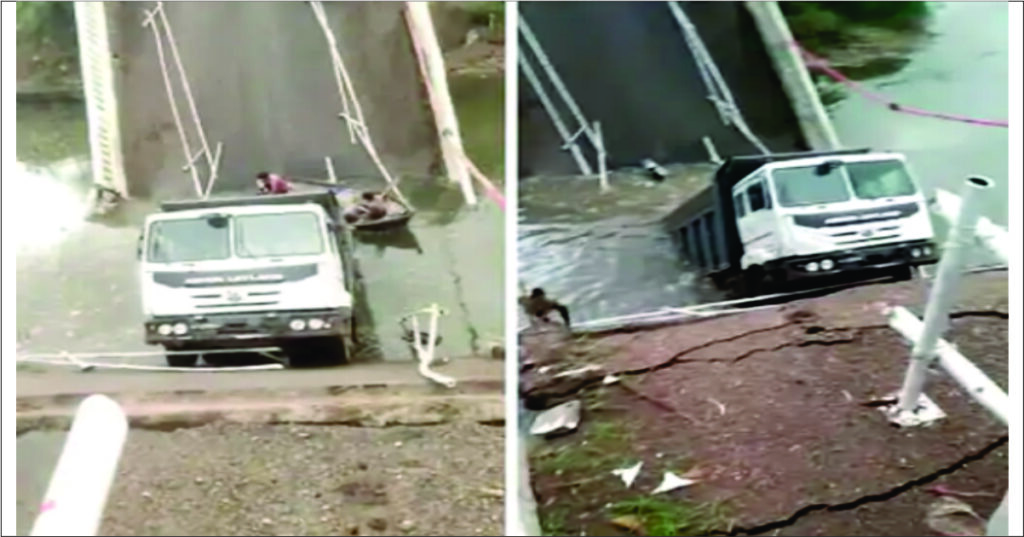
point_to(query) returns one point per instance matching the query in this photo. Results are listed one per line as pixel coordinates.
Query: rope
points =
(816, 62)
(357, 124)
(718, 89)
(489, 188)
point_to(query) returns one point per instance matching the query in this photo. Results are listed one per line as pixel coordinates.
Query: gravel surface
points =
(310, 480)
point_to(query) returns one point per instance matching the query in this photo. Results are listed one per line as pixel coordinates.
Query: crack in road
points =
(870, 498)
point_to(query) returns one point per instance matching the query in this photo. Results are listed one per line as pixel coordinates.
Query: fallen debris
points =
(950, 516)
(561, 419)
(628, 474)
(671, 482)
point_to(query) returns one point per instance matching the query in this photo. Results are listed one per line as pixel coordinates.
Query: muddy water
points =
(603, 257)
(605, 254)
(77, 280)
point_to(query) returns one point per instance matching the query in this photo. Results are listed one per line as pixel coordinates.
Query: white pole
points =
(330, 169)
(943, 293)
(602, 157)
(974, 381)
(431, 61)
(74, 501)
(545, 100)
(556, 81)
(993, 237)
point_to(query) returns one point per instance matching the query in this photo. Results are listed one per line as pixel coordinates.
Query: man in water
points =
(272, 183)
(537, 306)
(372, 206)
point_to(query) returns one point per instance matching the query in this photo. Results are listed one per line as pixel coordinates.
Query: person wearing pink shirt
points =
(272, 183)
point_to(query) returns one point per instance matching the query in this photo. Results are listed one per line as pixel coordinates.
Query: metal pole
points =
(602, 157)
(992, 236)
(77, 494)
(974, 381)
(431, 62)
(542, 94)
(556, 81)
(943, 293)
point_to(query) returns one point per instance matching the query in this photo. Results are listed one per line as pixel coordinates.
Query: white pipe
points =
(974, 381)
(556, 81)
(330, 169)
(992, 236)
(133, 367)
(712, 152)
(556, 119)
(137, 354)
(943, 292)
(431, 62)
(425, 357)
(602, 156)
(77, 494)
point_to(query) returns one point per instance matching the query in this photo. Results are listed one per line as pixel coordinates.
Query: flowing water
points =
(78, 284)
(605, 255)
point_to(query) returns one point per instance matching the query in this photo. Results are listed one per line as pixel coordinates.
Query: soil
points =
(225, 479)
(780, 442)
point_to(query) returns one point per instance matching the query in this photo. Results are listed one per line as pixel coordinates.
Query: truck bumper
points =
(903, 254)
(242, 330)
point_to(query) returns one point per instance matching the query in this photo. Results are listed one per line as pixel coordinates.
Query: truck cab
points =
(243, 273)
(822, 215)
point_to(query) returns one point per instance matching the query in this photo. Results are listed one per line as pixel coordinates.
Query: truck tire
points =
(182, 360)
(903, 273)
(754, 282)
(323, 351)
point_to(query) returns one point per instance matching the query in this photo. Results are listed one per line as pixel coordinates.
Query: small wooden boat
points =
(397, 213)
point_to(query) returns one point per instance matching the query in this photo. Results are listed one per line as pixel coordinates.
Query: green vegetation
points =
(489, 14)
(824, 24)
(599, 448)
(660, 516)
(47, 44)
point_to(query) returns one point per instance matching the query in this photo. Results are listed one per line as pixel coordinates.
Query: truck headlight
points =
(827, 264)
(915, 252)
(297, 324)
(180, 329)
(812, 266)
(927, 250)
(165, 329)
(316, 324)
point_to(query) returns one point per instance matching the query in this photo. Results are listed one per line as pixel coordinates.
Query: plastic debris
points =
(562, 418)
(671, 482)
(950, 516)
(628, 475)
(610, 379)
(629, 522)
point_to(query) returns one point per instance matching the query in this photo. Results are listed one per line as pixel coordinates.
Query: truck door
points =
(755, 220)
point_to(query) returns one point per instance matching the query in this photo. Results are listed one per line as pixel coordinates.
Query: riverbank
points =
(769, 412)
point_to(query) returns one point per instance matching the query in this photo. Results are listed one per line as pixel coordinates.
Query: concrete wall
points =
(628, 66)
(261, 76)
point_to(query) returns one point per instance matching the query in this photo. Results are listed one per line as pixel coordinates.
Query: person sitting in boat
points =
(272, 183)
(372, 206)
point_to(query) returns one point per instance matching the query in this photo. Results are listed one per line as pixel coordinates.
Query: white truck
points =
(769, 220)
(249, 272)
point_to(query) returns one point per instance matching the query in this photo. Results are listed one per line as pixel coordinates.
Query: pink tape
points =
(48, 505)
(815, 62)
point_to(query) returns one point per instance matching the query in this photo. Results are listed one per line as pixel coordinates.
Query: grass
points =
(660, 516)
(599, 448)
(554, 521)
(828, 24)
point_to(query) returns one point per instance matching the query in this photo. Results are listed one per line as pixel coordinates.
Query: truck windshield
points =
(806, 185)
(193, 239)
(880, 179)
(276, 235)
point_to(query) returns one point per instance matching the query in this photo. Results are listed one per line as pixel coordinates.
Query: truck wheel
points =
(753, 282)
(182, 360)
(904, 273)
(317, 352)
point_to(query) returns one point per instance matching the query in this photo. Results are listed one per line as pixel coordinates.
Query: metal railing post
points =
(943, 295)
